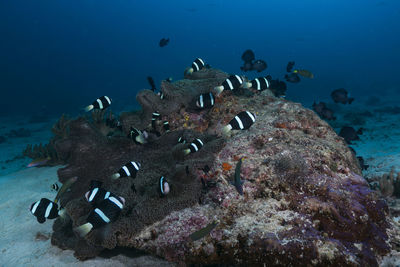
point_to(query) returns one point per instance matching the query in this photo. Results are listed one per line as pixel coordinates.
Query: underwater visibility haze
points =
(235, 133)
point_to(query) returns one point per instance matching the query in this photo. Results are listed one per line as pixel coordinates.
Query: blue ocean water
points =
(58, 56)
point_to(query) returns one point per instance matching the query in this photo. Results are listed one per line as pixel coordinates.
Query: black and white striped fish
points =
(197, 65)
(44, 209)
(241, 121)
(96, 193)
(163, 186)
(206, 100)
(100, 103)
(130, 169)
(156, 116)
(55, 187)
(166, 126)
(137, 136)
(233, 82)
(260, 83)
(105, 212)
(161, 95)
(181, 140)
(195, 146)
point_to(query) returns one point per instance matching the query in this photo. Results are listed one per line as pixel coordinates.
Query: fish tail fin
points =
(218, 89)
(225, 130)
(115, 176)
(140, 139)
(89, 108)
(247, 84)
(63, 214)
(40, 219)
(189, 71)
(186, 151)
(84, 229)
(351, 100)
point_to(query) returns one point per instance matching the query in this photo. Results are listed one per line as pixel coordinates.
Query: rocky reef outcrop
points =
(304, 201)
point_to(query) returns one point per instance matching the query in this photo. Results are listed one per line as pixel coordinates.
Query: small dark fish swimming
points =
(259, 65)
(206, 169)
(248, 56)
(362, 163)
(44, 209)
(241, 121)
(105, 212)
(247, 66)
(341, 96)
(203, 231)
(238, 183)
(133, 188)
(290, 66)
(163, 42)
(100, 103)
(350, 134)
(152, 84)
(323, 111)
(278, 87)
(130, 169)
(292, 78)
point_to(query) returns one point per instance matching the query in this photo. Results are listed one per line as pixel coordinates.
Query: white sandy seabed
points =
(19, 228)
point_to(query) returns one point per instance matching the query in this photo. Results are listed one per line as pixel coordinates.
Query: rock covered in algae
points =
(304, 200)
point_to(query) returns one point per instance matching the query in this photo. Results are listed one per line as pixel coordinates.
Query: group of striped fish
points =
(107, 205)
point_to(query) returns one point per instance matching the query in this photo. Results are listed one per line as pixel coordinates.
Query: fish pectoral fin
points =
(41, 219)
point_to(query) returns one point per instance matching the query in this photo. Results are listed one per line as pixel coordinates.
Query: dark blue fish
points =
(163, 42)
(238, 183)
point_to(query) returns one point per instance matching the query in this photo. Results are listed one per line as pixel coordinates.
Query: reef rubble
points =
(304, 200)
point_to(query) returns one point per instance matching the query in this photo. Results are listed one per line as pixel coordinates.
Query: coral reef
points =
(388, 184)
(60, 132)
(304, 200)
(41, 152)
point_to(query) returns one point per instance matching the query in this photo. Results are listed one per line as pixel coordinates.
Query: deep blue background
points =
(61, 55)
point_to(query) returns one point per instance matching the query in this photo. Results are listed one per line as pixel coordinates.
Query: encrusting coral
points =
(304, 200)
(49, 151)
(388, 184)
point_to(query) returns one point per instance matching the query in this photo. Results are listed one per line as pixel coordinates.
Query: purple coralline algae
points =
(304, 201)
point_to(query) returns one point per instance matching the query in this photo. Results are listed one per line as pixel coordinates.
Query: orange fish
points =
(226, 166)
(38, 162)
